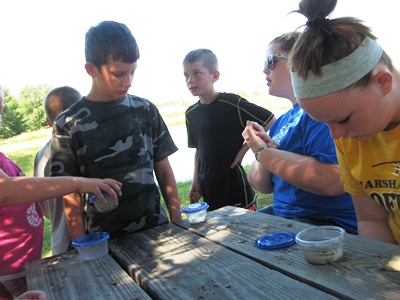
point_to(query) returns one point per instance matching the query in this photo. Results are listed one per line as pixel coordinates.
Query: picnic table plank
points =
(66, 277)
(355, 276)
(169, 262)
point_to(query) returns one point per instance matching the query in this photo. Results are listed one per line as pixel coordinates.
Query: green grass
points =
(22, 149)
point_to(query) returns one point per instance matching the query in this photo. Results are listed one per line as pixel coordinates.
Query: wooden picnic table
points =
(218, 259)
(65, 276)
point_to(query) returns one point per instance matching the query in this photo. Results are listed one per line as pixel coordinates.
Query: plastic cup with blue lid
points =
(101, 206)
(92, 245)
(196, 212)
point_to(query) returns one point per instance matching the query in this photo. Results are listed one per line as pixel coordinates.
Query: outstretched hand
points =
(95, 186)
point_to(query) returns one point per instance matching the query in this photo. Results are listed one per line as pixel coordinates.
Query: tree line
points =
(25, 113)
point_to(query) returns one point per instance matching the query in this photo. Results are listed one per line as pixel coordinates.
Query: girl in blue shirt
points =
(297, 160)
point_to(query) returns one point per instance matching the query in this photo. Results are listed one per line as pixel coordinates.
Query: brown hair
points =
(325, 40)
(58, 100)
(286, 41)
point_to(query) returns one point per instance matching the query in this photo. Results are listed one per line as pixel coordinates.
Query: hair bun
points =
(316, 22)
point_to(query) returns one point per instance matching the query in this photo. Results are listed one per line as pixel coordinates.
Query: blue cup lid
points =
(94, 198)
(194, 207)
(90, 239)
(275, 241)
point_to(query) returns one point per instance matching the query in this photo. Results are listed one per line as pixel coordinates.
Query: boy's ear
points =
(215, 75)
(91, 69)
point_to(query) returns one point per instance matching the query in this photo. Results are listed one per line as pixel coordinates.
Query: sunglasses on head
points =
(270, 60)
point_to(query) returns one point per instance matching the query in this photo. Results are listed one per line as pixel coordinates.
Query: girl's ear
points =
(385, 81)
(91, 69)
(215, 75)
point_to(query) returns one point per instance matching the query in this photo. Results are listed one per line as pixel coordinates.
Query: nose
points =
(337, 131)
(127, 82)
(189, 79)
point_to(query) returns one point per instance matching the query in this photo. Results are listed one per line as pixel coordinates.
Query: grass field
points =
(22, 149)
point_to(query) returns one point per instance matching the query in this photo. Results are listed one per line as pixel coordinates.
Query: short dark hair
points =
(58, 100)
(204, 57)
(110, 40)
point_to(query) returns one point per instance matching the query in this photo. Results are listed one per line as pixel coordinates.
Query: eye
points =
(344, 121)
(118, 74)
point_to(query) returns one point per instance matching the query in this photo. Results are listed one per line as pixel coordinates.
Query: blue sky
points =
(43, 40)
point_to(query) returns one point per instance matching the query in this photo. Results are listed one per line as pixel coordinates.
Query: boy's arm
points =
(239, 156)
(269, 124)
(44, 211)
(243, 150)
(169, 190)
(195, 192)
(74, 215)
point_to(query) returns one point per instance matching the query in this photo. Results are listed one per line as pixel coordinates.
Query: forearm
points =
(196, 166)
(260, 178)
(304, 172)
(168, 188)
(74, 215)
(172, 202)
(21, 190)
(239, 156)
(44, 211)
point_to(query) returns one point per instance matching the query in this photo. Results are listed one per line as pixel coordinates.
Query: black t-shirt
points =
(215, 129)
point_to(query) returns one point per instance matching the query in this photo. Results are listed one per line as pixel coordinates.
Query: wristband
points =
(258, 151)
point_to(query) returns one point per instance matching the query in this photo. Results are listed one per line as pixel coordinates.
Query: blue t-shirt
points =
(297, 132)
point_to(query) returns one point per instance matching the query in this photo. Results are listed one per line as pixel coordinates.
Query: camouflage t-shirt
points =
(120, 139)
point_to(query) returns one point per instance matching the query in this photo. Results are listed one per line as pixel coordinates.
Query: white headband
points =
(340, 74)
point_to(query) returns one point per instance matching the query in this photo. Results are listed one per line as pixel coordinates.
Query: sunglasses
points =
(270, 60)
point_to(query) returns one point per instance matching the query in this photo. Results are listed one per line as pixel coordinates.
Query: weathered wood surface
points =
(169, 262)
(355, 276)
(66, 277)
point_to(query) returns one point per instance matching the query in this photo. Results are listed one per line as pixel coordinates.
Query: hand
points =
(253, 135)
(32, 295)
(95, 186)
(195, 193)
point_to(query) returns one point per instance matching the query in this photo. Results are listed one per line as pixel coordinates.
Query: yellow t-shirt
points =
(372, 168)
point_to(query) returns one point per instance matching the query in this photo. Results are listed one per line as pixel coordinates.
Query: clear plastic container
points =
(101, 206)
(196, 212)
(92, 245)
(322, 244)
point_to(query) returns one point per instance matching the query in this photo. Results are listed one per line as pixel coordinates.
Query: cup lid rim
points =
(195, 207)
(91, 239)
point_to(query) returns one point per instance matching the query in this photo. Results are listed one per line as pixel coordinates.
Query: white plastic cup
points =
(321, 244)
(101, 206)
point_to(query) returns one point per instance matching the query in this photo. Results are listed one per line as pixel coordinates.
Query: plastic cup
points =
(92, 245)
(321, 244)
(101, 206)
(196, 212)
